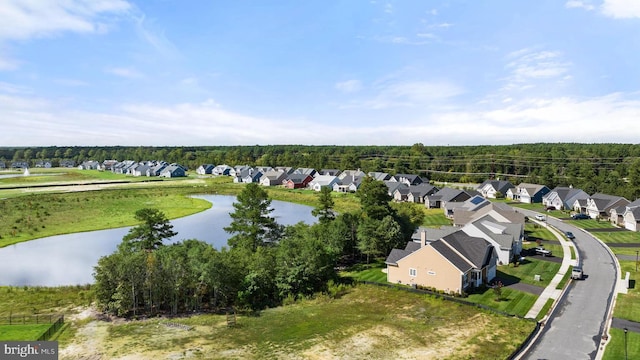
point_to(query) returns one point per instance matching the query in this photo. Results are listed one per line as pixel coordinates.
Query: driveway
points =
(575, 329)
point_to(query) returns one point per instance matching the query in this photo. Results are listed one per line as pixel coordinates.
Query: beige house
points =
(452, 264)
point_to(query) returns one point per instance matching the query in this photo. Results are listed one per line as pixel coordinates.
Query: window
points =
(413, 272)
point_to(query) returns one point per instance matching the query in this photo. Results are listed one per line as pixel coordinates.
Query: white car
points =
(540, 217)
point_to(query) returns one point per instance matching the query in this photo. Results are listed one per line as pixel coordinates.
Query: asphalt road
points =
(575, 329)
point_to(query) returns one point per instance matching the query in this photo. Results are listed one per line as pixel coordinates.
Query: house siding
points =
(433, 271)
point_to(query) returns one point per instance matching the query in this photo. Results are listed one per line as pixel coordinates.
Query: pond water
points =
(69, 259)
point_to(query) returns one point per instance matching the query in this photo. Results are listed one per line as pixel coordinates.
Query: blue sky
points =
(186, 72)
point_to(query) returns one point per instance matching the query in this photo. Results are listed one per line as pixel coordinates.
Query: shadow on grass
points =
(507, 279)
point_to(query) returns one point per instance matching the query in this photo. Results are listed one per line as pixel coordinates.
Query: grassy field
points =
(591, 224)
(512, 301)
(528, 268)
(625, 237)
(435, 218)
(43, 300)
(39, 215)
(367, 322)
(22, 332)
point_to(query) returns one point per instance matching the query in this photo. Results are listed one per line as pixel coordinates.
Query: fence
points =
(56, 321)
(29, 319)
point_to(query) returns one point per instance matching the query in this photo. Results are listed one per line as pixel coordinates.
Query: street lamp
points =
(637, 251)
(625, 344)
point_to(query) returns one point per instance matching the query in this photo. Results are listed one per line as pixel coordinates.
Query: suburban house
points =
(42, 164)
(68, 163)
(351, 174)
(408, 179)
(140, 169)
(380, 176)
(19, 165)
(297, 181)
(531, 193)
(506, 237)
(419, 193)
(453, 264)
(393, 186)
(252, 176)
(321, 181)
(600, 205)
(237, 171)
(490, 188)
(221, 170)
(580, 206)
(173, 170)
(470, 205)
(444, 196)
(332, 172)
(272, 178)
(156, 169)
(349, 184)
(306, 171)
(632, 216)
(616, 215)
(498, 211)
(240, 174)
(2, 165)
(205, 169)
(563, 198)
(89, 165)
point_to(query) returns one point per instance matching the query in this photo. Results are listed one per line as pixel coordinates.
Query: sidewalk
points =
(550, 292)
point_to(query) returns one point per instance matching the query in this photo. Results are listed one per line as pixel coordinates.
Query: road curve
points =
(576, 327)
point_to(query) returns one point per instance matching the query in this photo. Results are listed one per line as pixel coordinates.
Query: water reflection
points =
(69, 259)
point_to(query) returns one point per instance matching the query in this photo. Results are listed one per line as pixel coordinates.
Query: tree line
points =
(610, 168)
(263, 264)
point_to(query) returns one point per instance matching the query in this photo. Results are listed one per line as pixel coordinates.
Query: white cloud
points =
(125, 72)
(528, 67)
(7, 64)
(610, 118)
(573, 4)
(621, 9)
(349, 86)
(391, 94)
(23, 19)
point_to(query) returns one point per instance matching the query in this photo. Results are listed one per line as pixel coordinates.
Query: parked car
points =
(540, 217)
(576, 273)
(580, 216)
(550, 208)
(569, 235)
(542, 251)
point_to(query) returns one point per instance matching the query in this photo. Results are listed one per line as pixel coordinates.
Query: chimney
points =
(423, 237)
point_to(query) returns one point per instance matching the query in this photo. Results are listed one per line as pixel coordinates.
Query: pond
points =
(69, 259)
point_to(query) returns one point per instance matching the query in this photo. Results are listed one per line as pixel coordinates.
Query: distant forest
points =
(609, 168)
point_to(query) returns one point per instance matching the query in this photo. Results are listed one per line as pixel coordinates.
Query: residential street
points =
(576, 328)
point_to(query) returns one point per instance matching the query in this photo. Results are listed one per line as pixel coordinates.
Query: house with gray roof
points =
(444, 196)
(562, 198)
(348, 184)
(409, 179)
(600, 205)
(205, 169)
(332, 172)
(505, 237)
(490, 188)
(531, 193)
(221, 170)
(380, 176)
(453, 264)
(272, 178)
(321, 181)
(419, 193)
(173, 170)
(631, 216)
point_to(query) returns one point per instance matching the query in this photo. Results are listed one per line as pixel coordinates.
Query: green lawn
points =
(367, 272)
(535, 231)
(591, 224)
(513, 301)
(22, 332)
(39, 215)
(530, 267)
(619, 237)
(616, 347)
(545, 309)
(435, 218)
